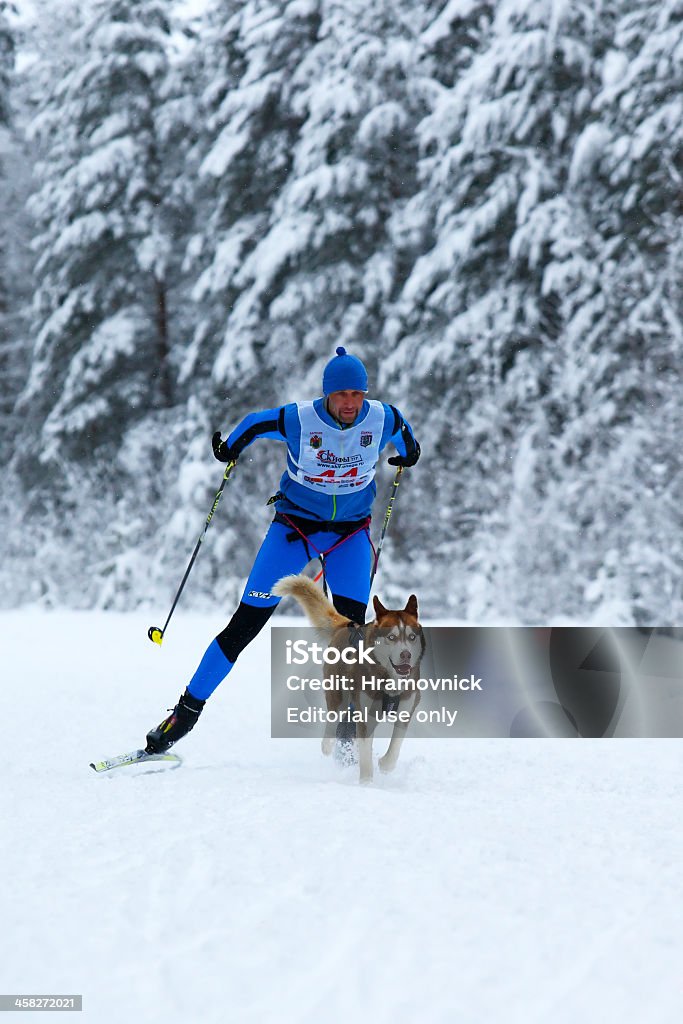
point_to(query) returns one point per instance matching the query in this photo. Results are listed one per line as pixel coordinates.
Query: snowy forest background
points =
(482, 200)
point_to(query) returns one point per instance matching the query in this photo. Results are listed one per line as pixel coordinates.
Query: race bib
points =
(337, 461)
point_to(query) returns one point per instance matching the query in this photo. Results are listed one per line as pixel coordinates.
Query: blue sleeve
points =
(397, 431)
(268, 423)
(292, 427)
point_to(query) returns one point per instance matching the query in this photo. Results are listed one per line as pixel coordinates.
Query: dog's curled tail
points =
(319, 610)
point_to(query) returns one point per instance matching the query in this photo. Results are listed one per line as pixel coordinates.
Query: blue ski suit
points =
(323, 506)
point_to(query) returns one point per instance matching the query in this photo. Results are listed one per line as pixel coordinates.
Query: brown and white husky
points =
(386, 691)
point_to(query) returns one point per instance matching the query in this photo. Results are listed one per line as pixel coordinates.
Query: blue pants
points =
(347, 571)
(347, 568)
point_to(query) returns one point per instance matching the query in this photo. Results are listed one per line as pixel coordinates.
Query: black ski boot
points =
(183, 718)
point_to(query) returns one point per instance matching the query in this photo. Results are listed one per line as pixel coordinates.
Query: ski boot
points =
(182, 719)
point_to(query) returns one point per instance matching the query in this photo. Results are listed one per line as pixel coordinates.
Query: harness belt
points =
(301, 527)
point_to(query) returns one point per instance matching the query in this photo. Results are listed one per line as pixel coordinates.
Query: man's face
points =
(345, 405)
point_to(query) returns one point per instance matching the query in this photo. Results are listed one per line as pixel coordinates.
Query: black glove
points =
(221, 450)
(406, 460)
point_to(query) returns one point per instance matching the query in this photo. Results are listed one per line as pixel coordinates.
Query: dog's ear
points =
(411, 606)
(380, 610)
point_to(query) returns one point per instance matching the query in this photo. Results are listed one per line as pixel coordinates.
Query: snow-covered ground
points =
(489, 880)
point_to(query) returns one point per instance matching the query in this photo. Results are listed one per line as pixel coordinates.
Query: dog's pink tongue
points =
(403, 670)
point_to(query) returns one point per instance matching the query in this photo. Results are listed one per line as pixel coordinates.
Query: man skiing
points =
(322, 508)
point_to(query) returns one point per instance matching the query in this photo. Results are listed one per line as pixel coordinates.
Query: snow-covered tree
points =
(628, 335)
(311, 148)
(251, 54)
(481, 303)
(102, 354)
(482, 199)
(6, 62)
(8, 357)
(327, 265)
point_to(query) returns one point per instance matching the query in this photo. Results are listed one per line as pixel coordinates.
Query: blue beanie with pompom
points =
(344, 373)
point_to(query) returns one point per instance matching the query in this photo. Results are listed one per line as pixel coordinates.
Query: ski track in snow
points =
(486, 880)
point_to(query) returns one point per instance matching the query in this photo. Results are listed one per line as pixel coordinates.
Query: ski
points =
(135, 757)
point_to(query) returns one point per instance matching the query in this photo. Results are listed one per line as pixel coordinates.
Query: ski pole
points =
(155, 634)
(387, 517)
